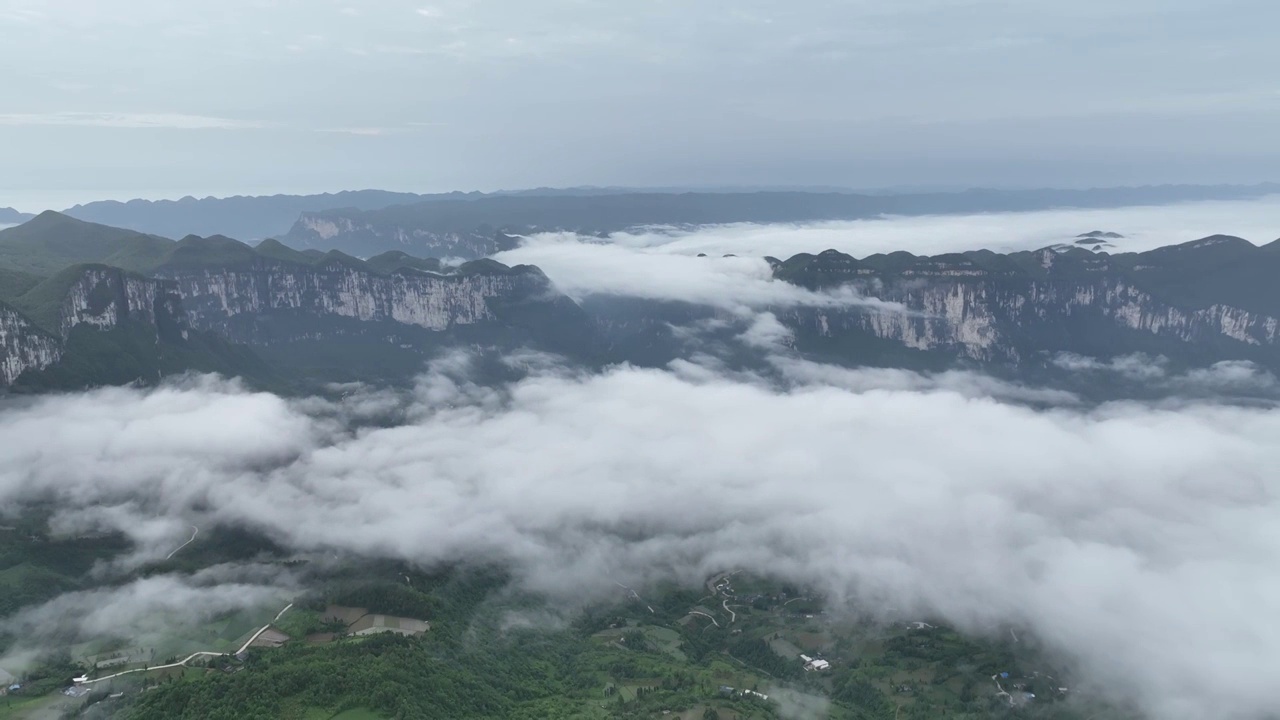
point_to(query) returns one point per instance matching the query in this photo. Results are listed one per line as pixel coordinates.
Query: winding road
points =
(699, 612)
(194, 532)
(184, 661)
(193, 655)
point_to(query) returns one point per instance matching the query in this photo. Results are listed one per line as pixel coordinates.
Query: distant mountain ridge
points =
(131, 306)
(9, 216)
(263, 216)
(478, 226)
(248, 217)
(307, 219)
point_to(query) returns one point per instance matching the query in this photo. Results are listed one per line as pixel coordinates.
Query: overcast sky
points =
(106, 98)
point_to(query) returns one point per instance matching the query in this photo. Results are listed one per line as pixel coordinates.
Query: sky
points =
(106, 98)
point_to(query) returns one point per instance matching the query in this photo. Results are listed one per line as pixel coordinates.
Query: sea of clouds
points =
(1137, 540)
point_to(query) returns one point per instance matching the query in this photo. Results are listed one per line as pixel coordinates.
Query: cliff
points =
(36, 333)
(23, 346)
(1210, 298)
(106, 297)
(272, 301)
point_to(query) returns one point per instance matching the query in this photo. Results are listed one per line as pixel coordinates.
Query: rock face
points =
(23, 346)
(98, 296)
(105, 297)
(271, 302)
(261, 301)
(1211, 300)
(1203, 298)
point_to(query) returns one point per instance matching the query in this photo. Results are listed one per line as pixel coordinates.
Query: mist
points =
(581, 267)
(1136, 540)
(1144, 228)
(147, 610)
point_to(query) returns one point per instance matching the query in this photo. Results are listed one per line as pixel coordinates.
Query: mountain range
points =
(479, 226)
(468, 225)
(83, 304)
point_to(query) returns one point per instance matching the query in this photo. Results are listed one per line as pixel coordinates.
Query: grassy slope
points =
(14, 283)
(53, 241)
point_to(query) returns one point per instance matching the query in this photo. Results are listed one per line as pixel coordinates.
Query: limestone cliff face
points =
(268, 301)
(989, 322)
(1003, 313)
(23, 346)
(104, 297)
(242, 303)
(95, 295)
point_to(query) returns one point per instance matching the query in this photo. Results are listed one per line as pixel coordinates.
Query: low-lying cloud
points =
(1235, 377)
(1136, 540)
(582, 267)
(149, 610)
(1144, 228)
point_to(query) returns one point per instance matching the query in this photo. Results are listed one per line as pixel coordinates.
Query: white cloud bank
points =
(1141, 542)
(580, 267)
(1144, 228)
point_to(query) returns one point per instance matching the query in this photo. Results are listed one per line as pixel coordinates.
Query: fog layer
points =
(1144, 228)
(1138, 541)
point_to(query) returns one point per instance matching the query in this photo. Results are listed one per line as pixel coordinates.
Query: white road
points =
(194, 532)
(699, 612)
(184, 661)
(263, 629)
(193, 655)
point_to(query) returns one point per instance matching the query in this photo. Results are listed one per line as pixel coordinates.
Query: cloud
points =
(175, 121)
(797, 705)
(150, 610)
(1134, 367)
(1227, 376)
(1144, 228)
(582, 267)
(966, 384)
(362, 131)
(1137, 541)
(1232, 375)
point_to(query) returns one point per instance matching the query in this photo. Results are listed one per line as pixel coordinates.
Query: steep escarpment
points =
(270, 301)
(23, 346)
(106, 297)
(330, 313)
(1209, 299)
(78, 319)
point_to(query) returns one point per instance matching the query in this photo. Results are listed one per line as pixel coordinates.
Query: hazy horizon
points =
(37, 202)
(152, 99)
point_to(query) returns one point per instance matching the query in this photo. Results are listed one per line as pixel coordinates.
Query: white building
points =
(817, 665)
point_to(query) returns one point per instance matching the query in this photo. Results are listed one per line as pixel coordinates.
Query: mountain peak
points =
(1212, 240)
(51, 217)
